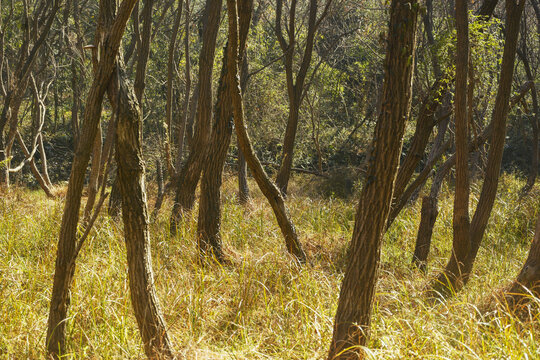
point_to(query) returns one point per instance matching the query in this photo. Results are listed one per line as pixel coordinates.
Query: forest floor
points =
(264, 306)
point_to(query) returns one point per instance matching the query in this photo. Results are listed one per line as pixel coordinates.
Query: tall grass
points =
(263, 306)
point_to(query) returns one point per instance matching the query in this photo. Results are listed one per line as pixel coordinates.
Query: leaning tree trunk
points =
(429, 214)
(353, 316)
(528, 280)
(451, 277)
(67, 243)
(136, 232)
(189, 175)
(269, 190)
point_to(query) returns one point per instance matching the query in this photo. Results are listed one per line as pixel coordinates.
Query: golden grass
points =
(263, 306)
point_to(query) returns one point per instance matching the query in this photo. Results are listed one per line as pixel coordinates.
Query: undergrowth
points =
(263, 306)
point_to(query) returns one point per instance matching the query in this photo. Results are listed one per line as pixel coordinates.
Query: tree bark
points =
(136, 233)
(426, 119)
(353, 316)
(527, 282)
(270, 191)
(451, 277)
(208, 229)
(295, 87)
(67, 243)
(189, 175)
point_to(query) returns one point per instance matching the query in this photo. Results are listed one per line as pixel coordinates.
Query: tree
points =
(69, 244)
(489, 187)
(295, 87)
(353, 316)
(189, 175)
(527, 282)
(208, 226)
(270, 191)
(460, 243)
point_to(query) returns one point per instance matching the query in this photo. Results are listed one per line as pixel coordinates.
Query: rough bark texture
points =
(136, 233)
(426, 120)
(450, 278)
(353, 316)
(188, 177)
(528, 280)
(480, 219)
(269, 190)
(67, 242)
(208, 229)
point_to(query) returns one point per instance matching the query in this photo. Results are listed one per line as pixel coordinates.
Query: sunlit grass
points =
(263, 306)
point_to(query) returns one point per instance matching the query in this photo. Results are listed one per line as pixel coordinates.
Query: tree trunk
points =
(243, 187)
(353, 316)
(295, 87)
(182, 123)
(136, 233)
(270, 191)
(498, 134)
(451, 277)
(188, 176)
(208, 229)
(429, 214)
(528, 281)
(95, 170)
(426, 120)
(67, 243)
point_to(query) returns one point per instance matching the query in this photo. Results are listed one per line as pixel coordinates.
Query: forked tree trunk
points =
(189, 175)
(353, 316)
(67, 243)
(498, 124)
(270, 191)
(450, 278)
(208, 229)
(295, 87)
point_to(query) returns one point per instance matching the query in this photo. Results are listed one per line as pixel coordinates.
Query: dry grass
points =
(263, 306)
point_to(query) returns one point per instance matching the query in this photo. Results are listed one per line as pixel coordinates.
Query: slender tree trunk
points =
(295, 87)
(189, 175)
(243, 187)
(270, 191)
(451, 277)
(459, 267)
(67, 243)
(209, 237)
(429, 215)
(93, 182)
(170, 72)
(44, 164)
(136, 233)
(353, 316)
(182, 123)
